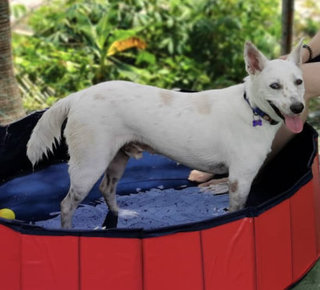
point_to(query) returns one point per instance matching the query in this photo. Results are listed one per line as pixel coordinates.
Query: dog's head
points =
(277, 85)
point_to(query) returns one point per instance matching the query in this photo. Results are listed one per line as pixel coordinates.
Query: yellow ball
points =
(7, 213)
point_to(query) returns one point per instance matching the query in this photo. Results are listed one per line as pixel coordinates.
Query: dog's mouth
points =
(293, 122)
(276, 110)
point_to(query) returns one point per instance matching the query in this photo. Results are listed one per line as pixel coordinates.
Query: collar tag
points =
(256, 123)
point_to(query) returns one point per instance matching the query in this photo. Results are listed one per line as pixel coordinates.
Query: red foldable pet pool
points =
(270, 244)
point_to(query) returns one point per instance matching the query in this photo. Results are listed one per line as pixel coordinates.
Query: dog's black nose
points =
(297, 107)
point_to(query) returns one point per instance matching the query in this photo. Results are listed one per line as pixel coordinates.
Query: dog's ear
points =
(296, 54)
(254, 59)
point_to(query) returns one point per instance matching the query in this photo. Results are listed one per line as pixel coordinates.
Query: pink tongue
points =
(294, 123)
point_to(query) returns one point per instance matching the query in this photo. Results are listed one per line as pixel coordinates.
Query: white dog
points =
(213, 131)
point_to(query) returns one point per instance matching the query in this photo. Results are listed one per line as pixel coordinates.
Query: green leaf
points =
(145, 57)
(103, 30)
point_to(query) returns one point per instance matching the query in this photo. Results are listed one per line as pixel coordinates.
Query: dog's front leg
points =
(238, 194)
(239, 187)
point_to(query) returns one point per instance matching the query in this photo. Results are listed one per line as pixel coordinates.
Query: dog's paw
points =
(127, 213)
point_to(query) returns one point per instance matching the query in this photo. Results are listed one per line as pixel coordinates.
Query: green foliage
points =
(193, 44)
(222, 27)
(306, 22)
(18, 10)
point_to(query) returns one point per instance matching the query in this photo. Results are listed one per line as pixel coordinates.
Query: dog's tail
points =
(47, 131)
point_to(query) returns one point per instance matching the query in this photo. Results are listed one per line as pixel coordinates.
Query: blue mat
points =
(34, 196)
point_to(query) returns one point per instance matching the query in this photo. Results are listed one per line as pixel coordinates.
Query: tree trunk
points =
(287, 24)
(10, 100)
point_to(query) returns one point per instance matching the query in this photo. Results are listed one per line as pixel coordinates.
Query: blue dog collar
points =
(258, 114)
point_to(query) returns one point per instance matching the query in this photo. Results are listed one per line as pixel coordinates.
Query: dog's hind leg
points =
(84, 174)
(110, 180)
(80, 185)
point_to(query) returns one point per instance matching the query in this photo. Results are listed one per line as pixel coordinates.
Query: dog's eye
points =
(299, 82)
(275, 86)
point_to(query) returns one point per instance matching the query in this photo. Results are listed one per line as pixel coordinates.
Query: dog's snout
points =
(297, 107)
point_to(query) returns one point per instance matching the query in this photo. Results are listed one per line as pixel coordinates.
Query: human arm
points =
(314, 45)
